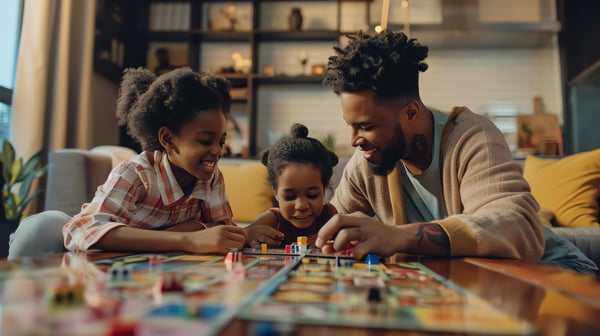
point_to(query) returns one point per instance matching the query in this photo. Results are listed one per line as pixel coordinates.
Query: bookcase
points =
(253, 43)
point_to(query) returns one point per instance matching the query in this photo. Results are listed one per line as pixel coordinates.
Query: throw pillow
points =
(568, 186)
(248, 190)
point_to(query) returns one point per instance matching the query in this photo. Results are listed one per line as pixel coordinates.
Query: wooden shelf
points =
(304, 35)
(288, 79)
(483, 36)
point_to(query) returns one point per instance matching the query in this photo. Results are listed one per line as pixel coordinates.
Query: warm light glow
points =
(404, 4)
(378, 29)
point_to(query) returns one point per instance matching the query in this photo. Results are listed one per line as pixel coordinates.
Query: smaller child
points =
(299, 170)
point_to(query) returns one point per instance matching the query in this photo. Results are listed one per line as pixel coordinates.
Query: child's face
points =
(300, 194)
(199, 145)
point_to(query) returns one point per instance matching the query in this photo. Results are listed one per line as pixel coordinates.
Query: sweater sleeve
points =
(491, 210)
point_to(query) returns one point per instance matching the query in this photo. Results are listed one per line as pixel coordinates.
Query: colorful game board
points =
(139, 294)
(404, 296)
(173, 294)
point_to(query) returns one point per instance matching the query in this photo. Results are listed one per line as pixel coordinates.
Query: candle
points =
(384, 13)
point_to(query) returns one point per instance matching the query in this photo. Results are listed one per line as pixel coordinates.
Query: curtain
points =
(51, 97)
(51, 102)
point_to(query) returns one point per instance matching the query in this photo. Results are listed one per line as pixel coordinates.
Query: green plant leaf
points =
(25, 186)
(7, 158)
(33, 164)
(21, 207)
(19, 179)
(15, 172)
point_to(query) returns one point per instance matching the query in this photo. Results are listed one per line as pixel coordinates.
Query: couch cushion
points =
(248, 190)
(568, 186)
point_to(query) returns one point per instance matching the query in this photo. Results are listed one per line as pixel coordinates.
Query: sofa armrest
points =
(73, 177)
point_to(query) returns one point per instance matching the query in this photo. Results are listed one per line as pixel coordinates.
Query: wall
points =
(104, 99)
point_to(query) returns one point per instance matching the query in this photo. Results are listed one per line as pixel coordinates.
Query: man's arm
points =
(366, 235)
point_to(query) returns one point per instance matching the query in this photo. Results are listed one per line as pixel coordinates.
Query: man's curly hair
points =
(298, 148)
(387, 63)
(146, 102)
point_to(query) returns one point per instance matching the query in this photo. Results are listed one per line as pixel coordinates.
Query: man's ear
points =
(165, 137)
(412, 109)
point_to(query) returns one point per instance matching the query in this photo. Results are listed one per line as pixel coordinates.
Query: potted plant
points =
(17, 180)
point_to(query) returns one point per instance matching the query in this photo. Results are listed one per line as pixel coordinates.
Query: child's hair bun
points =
(299, 131)
(135, 83)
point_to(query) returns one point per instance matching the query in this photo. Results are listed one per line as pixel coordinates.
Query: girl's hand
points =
(219, 239)
(258, 234)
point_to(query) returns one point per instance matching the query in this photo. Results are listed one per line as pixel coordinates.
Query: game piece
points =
(374, 295)
(263, 247)
(302, 243)
(120, 272)
(121, 328)
(170, 282)
(288, 249)
(372, 259)
(154, 262)
(65, 295)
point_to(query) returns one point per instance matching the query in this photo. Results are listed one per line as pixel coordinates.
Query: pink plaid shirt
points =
(143, 193)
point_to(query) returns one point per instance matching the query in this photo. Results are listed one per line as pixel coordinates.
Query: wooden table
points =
(556, 301)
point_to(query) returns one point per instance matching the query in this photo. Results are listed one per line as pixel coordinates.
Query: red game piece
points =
(170, 282)
(123, 329)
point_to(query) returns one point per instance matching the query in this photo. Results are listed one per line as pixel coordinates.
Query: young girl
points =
(171, 196)
(299, 171)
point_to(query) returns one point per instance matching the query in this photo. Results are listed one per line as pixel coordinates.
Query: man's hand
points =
(366, 235)
(359, 232)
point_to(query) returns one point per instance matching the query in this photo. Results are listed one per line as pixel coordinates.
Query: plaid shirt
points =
(144, 193)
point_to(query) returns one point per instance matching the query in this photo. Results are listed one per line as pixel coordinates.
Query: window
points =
(10, 28)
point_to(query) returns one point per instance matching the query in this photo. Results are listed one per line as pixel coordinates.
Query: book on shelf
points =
(169, 16)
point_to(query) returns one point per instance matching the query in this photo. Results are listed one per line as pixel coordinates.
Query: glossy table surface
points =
(556, 301)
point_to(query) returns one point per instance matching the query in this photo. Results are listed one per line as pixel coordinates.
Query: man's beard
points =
(391, 155)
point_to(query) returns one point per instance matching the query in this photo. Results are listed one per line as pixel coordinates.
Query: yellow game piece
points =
(263, 247)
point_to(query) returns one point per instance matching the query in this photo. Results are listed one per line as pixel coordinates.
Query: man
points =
(439, 184)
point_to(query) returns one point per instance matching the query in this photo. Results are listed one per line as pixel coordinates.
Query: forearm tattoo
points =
(434, 233)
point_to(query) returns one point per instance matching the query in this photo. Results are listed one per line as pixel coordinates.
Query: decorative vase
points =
(295, 19)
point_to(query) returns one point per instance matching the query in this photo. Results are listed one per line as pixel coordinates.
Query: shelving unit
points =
(201, 35)
(259, 27)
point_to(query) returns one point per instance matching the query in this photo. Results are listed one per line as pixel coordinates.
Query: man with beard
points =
(422, 181)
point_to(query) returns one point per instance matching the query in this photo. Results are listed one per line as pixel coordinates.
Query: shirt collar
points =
(170, 191)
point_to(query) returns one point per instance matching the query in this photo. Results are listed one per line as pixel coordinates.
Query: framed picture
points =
(163, 57)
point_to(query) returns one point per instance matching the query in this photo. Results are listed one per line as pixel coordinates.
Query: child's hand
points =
(258, 234)
(220, 239)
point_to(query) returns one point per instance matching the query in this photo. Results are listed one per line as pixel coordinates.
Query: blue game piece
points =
(372, 259)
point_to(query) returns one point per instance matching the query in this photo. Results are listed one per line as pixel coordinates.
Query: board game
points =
(405, 296)
(179, 294)
(142, 294)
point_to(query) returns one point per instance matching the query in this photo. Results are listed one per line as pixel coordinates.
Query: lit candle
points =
(384, 13)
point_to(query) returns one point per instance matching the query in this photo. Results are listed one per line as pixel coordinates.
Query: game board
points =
(401, 296)
(143, 294)
(177, 294)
